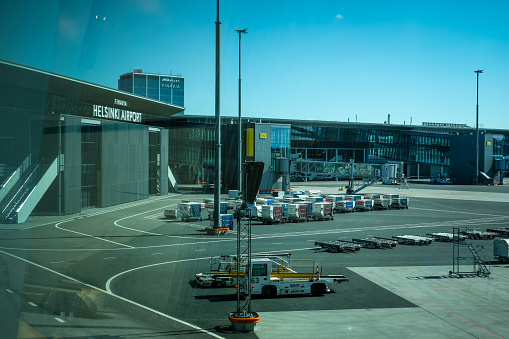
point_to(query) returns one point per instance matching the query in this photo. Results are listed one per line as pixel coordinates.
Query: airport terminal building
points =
(68, 145)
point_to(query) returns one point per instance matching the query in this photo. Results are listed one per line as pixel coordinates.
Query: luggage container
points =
(223, 208)
(382, 203)
(399, 203)
(345, 206)
(501, 249)
(297, 212)
(316, 199)
(191, 211)
(233, 194)
(336, 197)
(272, 214)
(225, 221)
(391, 196)
(322, 211)
(172, 214)
(284, 207)
(364, 205)
(290, 200)
(309, 205)
(313, 193)
(353, 197)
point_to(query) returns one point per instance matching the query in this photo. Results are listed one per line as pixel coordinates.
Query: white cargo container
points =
(501, 249)
(322, 211)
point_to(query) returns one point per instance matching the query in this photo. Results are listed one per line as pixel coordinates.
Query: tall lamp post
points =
(477, 129)
(240, 31)
(217, 179)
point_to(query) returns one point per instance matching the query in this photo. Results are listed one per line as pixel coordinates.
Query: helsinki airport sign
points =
(116, 114)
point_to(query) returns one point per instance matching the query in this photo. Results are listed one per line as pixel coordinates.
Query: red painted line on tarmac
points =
(454, 314)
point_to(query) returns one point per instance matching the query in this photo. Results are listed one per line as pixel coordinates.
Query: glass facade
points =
(280, 144)
(165, 88)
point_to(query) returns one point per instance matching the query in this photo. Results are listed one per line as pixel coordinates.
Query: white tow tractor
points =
(272, 277)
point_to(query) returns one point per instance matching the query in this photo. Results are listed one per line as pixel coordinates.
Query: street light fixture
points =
(477, 129)
(240, 31)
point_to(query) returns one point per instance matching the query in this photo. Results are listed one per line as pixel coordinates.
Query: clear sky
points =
(320, 60)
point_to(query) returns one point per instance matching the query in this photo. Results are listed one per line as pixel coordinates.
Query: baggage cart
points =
(210, 205)
(338, 246)
(322, 211)
(375, 243)
(364, 205)
(284, 207)
(225, 221)
(345, 206)
(297, 212)
(401, 203)
(381, 203)
(272, 214)
(172, 214)
(190, 211)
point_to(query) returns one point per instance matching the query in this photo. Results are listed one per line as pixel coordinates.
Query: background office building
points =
(165, 88)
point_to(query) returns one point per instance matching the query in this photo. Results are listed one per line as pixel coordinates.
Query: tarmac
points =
(447, 306)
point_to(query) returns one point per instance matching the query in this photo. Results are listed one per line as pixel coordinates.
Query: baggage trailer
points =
(172, 214)
(375, 243)
(284, 207)
(297, 212)
(322, 211)
(501, 249)
(500, 232)
(272, 214)
(190, 211)
(413, 240)
(364, 205)
(478, 235)
(401, 203)
(345, 206)
(338, 246)
(381, 203)
(270, 278)
(445, 237)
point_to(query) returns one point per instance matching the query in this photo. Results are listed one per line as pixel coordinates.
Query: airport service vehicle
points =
(272, 214)
(501, 249)
(364, 204)
(272, 277)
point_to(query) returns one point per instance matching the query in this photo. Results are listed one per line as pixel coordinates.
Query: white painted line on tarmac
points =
(159, 253)
(108, 258)
(117, 296)
(60, 320)
(56, 262)
(32, 304)
(91, 236)
(8, 290)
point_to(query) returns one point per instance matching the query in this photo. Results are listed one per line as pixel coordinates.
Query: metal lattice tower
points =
(243, 262)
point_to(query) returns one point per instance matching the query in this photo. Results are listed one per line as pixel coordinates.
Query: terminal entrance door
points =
(154, 162)
(90, 159)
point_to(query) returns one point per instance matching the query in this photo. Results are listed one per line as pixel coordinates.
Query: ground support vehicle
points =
(501, 249)
(374, 243)
(190, 211)
(345, 206)
(272, 214)
(399, 203)
(322, 211)
(413, 240)
(297, 212)
(338, 246)
(364, 205)
(172, 214)
(270, 277)
(381, 203)
(478, 235)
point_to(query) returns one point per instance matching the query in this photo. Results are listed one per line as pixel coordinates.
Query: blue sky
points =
(320, 60)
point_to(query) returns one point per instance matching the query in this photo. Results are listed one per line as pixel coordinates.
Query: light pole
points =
(217, 179)
(240, 31)
(477, 129)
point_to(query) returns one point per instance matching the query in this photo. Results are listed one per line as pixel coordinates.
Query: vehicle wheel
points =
(318, 289)
(219, 284)
(269, 291)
